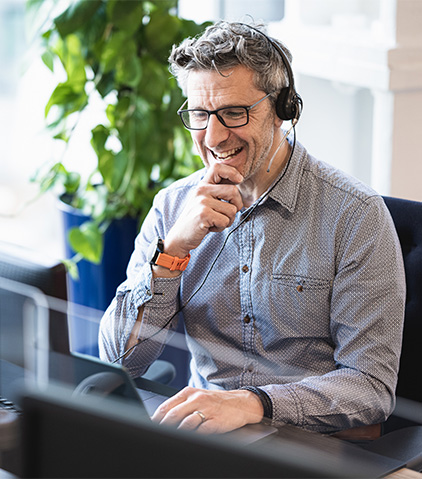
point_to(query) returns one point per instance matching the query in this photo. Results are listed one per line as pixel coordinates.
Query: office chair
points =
(402, 438)
(407, 217)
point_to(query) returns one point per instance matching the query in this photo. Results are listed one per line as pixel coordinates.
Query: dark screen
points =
(85, 436)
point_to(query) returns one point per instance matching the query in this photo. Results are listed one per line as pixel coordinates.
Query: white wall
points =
(358, 65)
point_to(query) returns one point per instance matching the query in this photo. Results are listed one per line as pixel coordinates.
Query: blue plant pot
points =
(97, 283)
(97, 286)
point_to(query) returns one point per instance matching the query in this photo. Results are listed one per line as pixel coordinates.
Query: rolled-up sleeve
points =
(157, 296)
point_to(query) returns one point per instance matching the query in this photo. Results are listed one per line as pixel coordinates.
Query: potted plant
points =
(114, 52)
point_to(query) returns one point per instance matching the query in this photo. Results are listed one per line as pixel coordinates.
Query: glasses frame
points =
(181, 111)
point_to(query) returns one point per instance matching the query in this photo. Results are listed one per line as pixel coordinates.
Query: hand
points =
(222, 411)
(212, 208)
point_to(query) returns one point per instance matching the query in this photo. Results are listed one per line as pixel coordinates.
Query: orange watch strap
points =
(172, 263)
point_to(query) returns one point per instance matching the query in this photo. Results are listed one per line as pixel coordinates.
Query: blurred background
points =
(357, 66)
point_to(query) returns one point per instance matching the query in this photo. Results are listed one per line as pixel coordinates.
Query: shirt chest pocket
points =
(301, 305)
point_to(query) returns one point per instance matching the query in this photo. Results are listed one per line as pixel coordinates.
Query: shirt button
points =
(247, 319)
(250, 368)
(245, 268)
(299, 287)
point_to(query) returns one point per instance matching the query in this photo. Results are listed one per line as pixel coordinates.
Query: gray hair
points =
(226, 45)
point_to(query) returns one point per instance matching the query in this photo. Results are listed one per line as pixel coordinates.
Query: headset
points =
(289, 104)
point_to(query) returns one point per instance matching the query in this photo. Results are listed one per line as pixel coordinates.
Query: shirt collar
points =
(287, 190)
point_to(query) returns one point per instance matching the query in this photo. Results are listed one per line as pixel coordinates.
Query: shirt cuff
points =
(287, 408)
(157, 292)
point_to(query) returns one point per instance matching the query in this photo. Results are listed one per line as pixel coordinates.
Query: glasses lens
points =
(196, 119)
(234, 116)
(231, 117)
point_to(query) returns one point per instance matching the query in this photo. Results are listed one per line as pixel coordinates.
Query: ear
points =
(277, 121)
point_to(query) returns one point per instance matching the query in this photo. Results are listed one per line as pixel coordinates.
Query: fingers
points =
(223, 174)
(186, 410)
(209, 412)
(217, 209)
(225, 193)
(212, 208)
(225, 178)
(194, 421)
(180, 411)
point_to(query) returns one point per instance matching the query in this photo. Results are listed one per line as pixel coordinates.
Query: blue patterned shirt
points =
(306, 300)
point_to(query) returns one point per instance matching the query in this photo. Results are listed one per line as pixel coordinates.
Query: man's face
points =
(245, 148)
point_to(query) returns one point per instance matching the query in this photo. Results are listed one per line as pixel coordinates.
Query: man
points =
(288, 276)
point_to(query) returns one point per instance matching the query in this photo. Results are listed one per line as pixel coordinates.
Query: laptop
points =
(89, 375)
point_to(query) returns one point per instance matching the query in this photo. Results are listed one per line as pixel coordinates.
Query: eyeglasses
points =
(229, 116)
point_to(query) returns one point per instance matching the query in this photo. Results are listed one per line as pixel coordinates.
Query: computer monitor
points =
(48, 275)
(84, 436)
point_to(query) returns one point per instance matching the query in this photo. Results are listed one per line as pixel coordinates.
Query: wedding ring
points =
(201, 415)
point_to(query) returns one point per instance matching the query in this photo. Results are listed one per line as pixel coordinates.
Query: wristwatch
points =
(157, 256)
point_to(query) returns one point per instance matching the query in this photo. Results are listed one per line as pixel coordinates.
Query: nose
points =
(216, 132)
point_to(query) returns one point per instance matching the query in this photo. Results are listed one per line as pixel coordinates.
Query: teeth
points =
(226, 154)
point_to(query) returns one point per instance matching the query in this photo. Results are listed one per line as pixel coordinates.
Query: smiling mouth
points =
(226, 155)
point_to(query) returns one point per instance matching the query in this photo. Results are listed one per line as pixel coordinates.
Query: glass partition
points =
(23, 337)
(85, 416)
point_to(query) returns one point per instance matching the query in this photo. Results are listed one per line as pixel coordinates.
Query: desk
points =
(405, 474)
(6, 475)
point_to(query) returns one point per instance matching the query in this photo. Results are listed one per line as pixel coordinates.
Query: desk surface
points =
(405, 474)
(6, 475)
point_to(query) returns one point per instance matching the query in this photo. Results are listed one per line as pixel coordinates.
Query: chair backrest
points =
(407, 217)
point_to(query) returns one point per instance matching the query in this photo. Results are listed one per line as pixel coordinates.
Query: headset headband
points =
(289, 103)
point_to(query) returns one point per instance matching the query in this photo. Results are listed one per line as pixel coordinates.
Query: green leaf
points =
(118, 113)
(77, 15)
(87, 240)
(128, 66)
(99, 137)
(48, 59)
(127, 15)
(154, 81)
(63, 134)
(112, 51)
(112, 168)
(71, 268)
(161, 32)
(72, 182)
(57, 175)
(69, 96)
(106, 83)
(49, 179)
(165, 5)
(70, 54)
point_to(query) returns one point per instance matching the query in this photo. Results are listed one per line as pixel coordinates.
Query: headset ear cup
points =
(285, 107)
